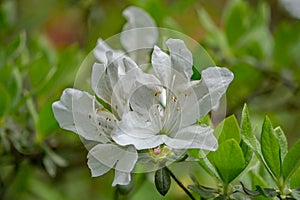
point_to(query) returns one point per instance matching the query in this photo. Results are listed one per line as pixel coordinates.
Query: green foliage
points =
(228, 129)
(228, 160)
(270, 148)
(162, 180)
(291, 161)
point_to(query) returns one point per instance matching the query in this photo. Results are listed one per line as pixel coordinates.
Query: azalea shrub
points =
(153, 109)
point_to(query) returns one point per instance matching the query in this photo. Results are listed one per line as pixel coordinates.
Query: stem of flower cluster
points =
(180, 184)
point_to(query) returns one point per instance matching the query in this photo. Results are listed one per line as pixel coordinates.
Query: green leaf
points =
(202, 192)
(256, 179)
(282, 142)
(228, 160)
(247, 133)
(295, 179)
(267, 192)
(250, 192)
(248, 153)
(291, 161)
(207, 165)
(228, 129)
(270, 148)
(162, 180)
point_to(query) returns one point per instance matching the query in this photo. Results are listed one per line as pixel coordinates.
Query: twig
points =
(180, 184)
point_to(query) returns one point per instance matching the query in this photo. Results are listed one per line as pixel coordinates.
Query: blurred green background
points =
(42, 44)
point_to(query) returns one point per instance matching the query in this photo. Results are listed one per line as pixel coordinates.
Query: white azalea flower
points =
(79, 112)
(153, 122)
(154, 112)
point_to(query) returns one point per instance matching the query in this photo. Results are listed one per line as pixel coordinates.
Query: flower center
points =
(160, 152)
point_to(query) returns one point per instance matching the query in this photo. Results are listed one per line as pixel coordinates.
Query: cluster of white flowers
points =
(152, 117)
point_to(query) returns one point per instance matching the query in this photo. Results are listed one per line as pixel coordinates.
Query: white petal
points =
(213, 85)
(127, 85)
(113, 156)
(121, 178)
(143, 99)
(133, 125)
(162, 65)
(96, 167)
(76, 112)
(192, 137)
(139, 143)
(101, 83)
(101, 49)
(181, 57)
(129, 64)
(134, 130)
(140, 31)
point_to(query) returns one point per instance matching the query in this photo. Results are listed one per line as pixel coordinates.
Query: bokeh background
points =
(42, 44)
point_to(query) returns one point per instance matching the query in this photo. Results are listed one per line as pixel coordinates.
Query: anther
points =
(174, 99)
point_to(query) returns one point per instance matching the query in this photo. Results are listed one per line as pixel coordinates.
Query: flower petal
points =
(96, 167)
(101, 49)
(121, 178)
(140, 32)
(76, 112)
(113, 156)
(213, 85)
(127, 85)
(133, 129)
(100, 82)
(161, 63)
(181, 57)
(191, 137)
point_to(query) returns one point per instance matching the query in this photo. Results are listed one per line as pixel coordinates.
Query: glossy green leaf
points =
(292, 161)
(162, 180)
(295, 179)
(248, 136)
(247, 133)
(248, 153)
(206, 164)
(228, 160)
(282, 142)
(270, 148)
(228, 129)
